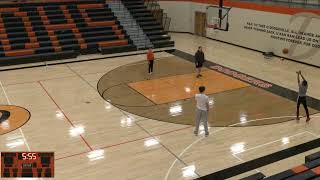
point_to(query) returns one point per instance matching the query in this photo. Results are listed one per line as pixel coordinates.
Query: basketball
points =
(285, 51)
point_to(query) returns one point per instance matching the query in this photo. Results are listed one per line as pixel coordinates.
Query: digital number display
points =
(29, 156)
(27, 164)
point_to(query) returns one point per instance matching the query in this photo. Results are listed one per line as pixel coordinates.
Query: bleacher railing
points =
(161, 17)
(138, 31)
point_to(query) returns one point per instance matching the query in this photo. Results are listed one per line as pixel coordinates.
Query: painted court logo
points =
(243, 77)
(12, 117)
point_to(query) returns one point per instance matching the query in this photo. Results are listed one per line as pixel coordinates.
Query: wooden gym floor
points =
(96, 139)
(168, 95)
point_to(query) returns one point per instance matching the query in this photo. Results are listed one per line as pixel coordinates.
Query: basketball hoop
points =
(213, 26)
(217, 18)
(214, 23)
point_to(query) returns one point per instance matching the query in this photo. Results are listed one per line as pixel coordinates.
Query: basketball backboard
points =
(217, 17)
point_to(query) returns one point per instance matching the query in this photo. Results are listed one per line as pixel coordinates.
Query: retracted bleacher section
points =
(148, 23)
(51, 30)
(310, 170)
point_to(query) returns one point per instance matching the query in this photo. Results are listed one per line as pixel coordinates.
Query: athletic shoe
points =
(308, 119)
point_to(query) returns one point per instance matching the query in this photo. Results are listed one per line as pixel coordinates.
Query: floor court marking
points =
(271, 142)
(182, 101)
(194, 142)
(21, 132)
(135, 140)
(126, 142)
(65, 116)
(127, 115)
(36, 81)
(201, 138)
(259, 146)
(314, 134)
(97, 73)
(72, 76)
(177, 158)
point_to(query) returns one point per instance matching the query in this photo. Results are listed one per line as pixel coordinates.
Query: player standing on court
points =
(202, 110)
(150, 58)
(302, 98)
(199, 60)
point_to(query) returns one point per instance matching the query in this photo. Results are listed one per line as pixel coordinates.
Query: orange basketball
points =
(285, 51)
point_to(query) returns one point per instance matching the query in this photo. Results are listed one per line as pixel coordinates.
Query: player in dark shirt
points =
(199, 60)
(302, 95)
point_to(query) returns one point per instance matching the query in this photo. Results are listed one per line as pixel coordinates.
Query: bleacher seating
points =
(35, 31)
(309, 170)
(150, 26)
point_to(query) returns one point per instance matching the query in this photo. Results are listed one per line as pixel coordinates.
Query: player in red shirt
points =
(150, 58)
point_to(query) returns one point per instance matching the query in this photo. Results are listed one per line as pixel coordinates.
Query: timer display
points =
(27, 164)
(29, 156)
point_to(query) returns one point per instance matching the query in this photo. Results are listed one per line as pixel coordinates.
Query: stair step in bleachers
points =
(54, 28)
(160, 37)
(148, 23)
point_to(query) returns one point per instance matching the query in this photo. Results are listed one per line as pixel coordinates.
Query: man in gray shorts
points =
(302, 98)
(202, 110)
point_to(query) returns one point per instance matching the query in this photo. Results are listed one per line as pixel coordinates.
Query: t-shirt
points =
(202, 101)
(199, 57)
(150, 56)
(302, 90)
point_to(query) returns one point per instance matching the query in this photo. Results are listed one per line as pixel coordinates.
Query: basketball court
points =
(137, 132)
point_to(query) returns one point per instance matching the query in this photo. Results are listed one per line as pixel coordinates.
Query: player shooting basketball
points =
(302, 98)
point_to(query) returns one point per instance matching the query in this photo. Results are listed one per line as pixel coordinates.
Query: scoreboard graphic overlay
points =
(27, 164)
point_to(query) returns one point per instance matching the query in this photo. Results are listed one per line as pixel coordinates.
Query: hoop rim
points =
(213, 26)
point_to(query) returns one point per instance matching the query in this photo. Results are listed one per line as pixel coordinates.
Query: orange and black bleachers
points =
(309, 170)
(148, 23)
(40, 31)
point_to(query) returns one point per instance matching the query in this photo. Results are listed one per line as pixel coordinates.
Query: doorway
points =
(200, 23)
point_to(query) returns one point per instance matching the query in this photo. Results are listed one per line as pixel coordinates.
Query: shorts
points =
(302, 100)
(199, 65)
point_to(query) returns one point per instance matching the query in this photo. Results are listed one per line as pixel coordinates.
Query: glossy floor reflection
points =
(173, 88)
(168, 95)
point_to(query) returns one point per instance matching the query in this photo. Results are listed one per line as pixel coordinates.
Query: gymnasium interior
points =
(77, 101)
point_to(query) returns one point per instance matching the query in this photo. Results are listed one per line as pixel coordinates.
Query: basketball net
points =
(214, 23)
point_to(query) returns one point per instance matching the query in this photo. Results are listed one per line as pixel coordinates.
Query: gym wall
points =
(263, 28)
